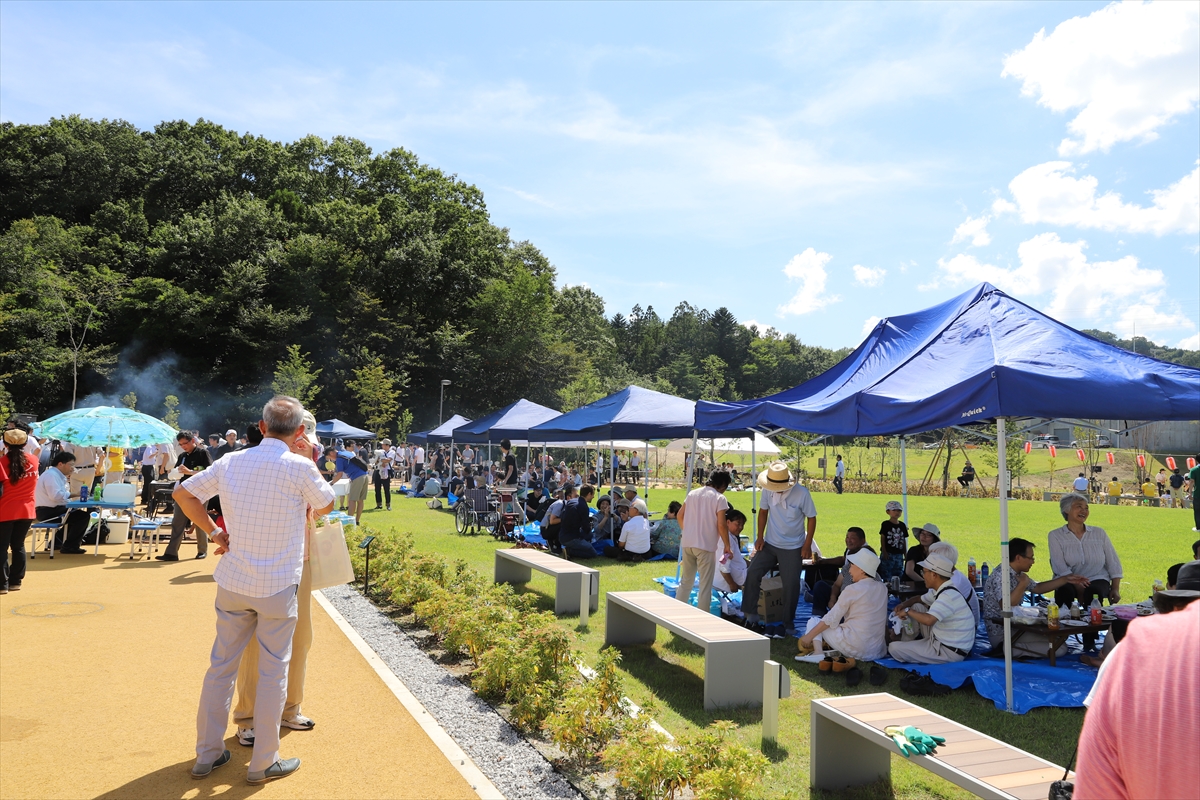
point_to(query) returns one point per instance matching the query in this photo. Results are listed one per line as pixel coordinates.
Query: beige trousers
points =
(247, 679)
(926, 650)
(697, 558)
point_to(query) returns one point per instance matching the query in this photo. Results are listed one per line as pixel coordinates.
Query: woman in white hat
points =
(787, 522)
(855, 625)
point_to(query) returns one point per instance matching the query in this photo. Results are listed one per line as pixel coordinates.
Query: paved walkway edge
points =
(455, 754)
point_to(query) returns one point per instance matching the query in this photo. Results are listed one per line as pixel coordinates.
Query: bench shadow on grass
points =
(879, 790)
(676, 686)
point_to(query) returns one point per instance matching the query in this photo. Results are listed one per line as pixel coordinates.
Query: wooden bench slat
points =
(843, 703)
(866, 708)
(992, 756)
(895, 715)
(1033, 791)
(1013, 766)
(976, 744)
(1012, 780)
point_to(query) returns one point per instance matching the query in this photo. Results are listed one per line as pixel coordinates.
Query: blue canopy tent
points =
(979, 356)
(336, 429)
(441, 434)
(511, 422)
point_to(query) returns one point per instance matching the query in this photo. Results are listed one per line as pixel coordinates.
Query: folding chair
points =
(49, 527)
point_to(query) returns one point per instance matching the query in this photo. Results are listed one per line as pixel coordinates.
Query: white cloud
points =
(869, 325)
(974, 229)
(753, 323)
(1190, 343)
(868, 276)
(808, 268)
(1049, 193)
(1130, 67)
(1117, 295)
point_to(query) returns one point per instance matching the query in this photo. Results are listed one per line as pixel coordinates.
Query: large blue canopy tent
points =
(976, 357)
(442, 433)
(336, 429)
(511, 422)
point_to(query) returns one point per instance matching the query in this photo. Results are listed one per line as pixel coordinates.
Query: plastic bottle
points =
(1052, 616)
(1094, 611)
(983, 573)
(98, 495)
(83, 493)
(1076, 609)
(972, 575)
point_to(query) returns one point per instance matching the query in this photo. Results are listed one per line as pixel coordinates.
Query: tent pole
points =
(689, 462)
(646, 468)
(903, 481)
(612, 482)
(1002, 457)
(753, 473)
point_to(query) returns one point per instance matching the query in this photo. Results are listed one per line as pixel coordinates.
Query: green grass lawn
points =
(671, 671)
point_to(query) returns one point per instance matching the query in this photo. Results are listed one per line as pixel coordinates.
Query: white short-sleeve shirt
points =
(635, 533)
(700, 518)
(786, 515)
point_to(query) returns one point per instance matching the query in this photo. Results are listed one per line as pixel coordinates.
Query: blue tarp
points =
(336, 429)
(632, 413)
(441, 433)
(976, 357)
(511, 422)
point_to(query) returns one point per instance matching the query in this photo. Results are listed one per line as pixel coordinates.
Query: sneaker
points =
(203, 770)
(280, 769)
(14, 587)
(299, 723)
(245, 736)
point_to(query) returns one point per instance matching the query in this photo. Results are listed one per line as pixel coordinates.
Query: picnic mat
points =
(1036, 684)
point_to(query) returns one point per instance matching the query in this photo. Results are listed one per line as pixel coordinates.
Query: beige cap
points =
(310, 427)
(640, 506)
(16, 437)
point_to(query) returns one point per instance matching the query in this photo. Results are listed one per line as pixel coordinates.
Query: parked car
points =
(1101, 441)
(1044, 441)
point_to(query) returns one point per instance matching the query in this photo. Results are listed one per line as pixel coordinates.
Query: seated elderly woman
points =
(926, 536)
(855, 625)
(666, 533)
(605, 524)
(1020, 560)
(1081, 549)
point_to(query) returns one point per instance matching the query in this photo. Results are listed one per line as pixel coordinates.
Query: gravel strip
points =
(516, 768)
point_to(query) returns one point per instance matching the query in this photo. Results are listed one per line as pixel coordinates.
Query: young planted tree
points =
(295, 377)
(130, 401)
(171, 404)
(377, 392)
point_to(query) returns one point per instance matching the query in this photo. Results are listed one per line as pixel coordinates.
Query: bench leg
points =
(622, 626)
(841, 758)
(508, 571)
(733, 673)
(568, 588)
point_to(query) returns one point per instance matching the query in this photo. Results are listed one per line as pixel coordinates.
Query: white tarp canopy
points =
(761, 446)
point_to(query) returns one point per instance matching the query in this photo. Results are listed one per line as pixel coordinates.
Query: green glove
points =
(923, 741)
(905, 747)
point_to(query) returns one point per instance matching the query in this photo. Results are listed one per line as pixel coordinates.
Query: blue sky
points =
(810, 166)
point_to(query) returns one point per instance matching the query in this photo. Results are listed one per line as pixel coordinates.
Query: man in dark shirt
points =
(508, 465)
(214, 446)
(193, 459)
(575, 532)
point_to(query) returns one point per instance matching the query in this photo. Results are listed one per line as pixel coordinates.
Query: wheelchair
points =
(475, 511)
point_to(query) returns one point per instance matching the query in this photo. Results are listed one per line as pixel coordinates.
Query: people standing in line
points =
(893, 541)
(18, 484)
(50, 502)
(508, 469)
(351, 463)
(267, 493)
(787, 522)
(193, 460)
(302, 637)
(702, 518)
(575, 532)
(839, 474)
(385, 463)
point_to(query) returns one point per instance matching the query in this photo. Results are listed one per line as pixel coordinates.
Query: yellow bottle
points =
(1052, 616)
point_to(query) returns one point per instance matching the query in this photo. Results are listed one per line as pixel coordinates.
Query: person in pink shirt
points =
(1141, 736)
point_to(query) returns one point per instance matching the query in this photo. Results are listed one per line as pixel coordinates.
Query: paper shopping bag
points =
(330, 559)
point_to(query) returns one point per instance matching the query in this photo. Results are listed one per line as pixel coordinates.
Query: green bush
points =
(590, 714)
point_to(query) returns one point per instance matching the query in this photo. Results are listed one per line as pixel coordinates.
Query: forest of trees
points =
(213, 268)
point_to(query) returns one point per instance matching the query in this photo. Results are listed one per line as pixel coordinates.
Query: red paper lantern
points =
(1141, 460)
(1191, 463)
(1053, 451)
(1082, 456)
(1111, 458)
(1028, 448)
(1171, 462)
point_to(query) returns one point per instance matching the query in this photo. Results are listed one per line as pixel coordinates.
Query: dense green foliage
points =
(220, 264)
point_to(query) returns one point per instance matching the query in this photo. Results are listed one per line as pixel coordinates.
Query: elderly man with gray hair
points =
(265, 495)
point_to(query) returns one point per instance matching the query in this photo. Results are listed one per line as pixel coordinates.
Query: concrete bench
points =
(849, 748)
(517, 565)
(733, 656)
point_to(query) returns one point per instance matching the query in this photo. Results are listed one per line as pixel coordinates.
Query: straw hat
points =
(865, 560)
(776, 478)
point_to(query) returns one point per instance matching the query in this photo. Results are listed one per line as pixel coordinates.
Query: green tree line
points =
(244, 264)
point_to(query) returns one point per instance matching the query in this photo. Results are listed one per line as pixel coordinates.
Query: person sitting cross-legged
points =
(947, 628)
(855, 625)
(634, 544)
(1020, 561)
(826, 593)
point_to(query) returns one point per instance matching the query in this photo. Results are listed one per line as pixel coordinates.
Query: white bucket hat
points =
(776, 478)
(939, 563)
(865, 560)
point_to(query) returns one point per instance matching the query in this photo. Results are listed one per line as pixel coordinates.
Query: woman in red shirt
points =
(18, 479)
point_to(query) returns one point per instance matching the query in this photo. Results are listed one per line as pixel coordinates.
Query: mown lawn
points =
(1149, 540)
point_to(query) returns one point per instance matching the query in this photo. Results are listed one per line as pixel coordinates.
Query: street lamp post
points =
(442, 400)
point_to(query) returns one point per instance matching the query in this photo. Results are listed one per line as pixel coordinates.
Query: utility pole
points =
(442, 400)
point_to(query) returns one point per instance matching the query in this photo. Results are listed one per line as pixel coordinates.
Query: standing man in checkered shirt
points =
(265, 492)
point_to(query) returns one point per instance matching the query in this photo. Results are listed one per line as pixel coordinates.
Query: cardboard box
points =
(770, 600)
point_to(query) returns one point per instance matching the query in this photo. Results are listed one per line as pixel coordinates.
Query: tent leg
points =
(646, 468)
(903, 481)
(1002, 457)
(691, 462)
(753, 472)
